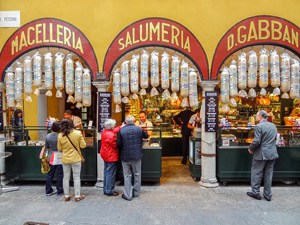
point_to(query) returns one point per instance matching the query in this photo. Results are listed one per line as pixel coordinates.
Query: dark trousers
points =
(59, 178)
(259, 169)
(185, 147)
(109, 180)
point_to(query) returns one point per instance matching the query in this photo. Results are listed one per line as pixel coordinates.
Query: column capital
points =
(2, 86)
(102, 86)
(209, 85)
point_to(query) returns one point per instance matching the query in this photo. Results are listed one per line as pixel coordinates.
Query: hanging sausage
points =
(165, 83)
(233, 90)
(19, 84)
(144, 72)
(125, 81)
(263, 71)
(78, 84)
(10, 87)
(224, 89)
(48, 70)
(86, 89)
(59, 73)
(193, 89)
(134, 76)
(285, 75)
(275, 72)
(117, 90)
(37, 72)
(294, 92)
(70, 78)
(252, 73)
(154, 63)
(184, 83)
(28, 78)
(175, 74)
(242, 74)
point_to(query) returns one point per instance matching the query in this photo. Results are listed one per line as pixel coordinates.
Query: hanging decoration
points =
(285, 78)
(294, 92)
(19, 84)
(125, 82)
(78, 84)
(154, 73)
(193, 89)
(263, 71)
(28, 78)
(59, 74)
(37, 72)
(233, 90)
(86, 88)
(184, 83)
(275, 72)
(117, 90)
(144, 72)
(48, 61)
(70, 88)
(10, 87)
(242, 74)
(134, 76)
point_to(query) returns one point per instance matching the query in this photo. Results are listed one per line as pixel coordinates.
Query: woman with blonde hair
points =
(70, 141)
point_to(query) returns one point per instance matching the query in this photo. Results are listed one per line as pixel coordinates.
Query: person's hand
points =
(250, 151)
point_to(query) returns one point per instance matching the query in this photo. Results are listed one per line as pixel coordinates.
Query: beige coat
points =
(69, 154)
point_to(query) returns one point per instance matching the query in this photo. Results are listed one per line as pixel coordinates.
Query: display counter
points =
(234, 161)
(25, 164)
(195, 157)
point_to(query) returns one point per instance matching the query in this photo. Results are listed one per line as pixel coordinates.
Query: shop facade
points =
(205, 43)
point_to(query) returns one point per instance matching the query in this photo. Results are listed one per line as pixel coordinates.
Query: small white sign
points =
(10, 19)
(226, 142)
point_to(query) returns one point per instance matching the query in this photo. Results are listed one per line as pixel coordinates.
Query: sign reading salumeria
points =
(10, 19)
(211, 111)
(104, 110)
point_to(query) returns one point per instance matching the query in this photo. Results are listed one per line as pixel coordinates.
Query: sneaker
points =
(52, 193)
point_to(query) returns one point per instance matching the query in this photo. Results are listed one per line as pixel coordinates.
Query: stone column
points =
(208, 145)
(2, 145)
(102, 86)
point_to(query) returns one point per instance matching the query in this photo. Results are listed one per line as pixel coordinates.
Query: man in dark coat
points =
(182, 119)
(264, 152)
(129, 142)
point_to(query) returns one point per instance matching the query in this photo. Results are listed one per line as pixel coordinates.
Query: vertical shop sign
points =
(211, 111)
(104, 110)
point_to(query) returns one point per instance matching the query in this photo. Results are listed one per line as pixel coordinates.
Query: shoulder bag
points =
(78, 151)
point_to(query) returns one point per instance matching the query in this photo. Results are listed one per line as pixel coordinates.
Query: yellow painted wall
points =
(102, 20)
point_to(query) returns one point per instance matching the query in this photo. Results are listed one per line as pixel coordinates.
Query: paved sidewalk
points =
(173, 203)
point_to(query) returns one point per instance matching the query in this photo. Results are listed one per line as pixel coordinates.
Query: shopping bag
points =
(45, 168)
(55, 158)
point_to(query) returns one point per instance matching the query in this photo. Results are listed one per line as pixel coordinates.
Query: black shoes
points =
(124, 197)
(113, 194)
(183, 162)
(252, 195)
(267, 198)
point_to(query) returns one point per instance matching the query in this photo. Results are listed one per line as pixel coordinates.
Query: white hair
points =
(129, 119)
(263, 114)
(109, 124)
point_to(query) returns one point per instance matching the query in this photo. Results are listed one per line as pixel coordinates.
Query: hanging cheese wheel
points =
(144, 69)
(165, 83)
(70, 88)
(19, 84)
(37, 72)
(86, 88)
(233, 90)
(252, 69)
(242, 71)
(28, 78)
(274, 69)
(294, 92)
(175, 74)
(59, 73)
(263, 68)
(10, 87)
(285, 74)
(193, 89)
(117, 89)
(48, 70)
(224, 85)
(134, 74)
(78, 83)
(125, 81)
(184, 79)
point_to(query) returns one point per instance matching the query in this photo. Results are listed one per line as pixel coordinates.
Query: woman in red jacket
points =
(110, 154)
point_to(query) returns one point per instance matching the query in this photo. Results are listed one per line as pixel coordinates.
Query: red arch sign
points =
(47, 32)
(156, 32)
(258, 30)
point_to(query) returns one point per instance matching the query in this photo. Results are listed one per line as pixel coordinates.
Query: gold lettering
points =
(59, 33)
(73, 39)
(240, 38)
(29, 36)
(187, 44)
(146, 32)
(15, 45)
(263, 29)
(120, 41)
(133, 37)
(128, 39)
(276, 30)
(45, 33)
(23, 42)
(37, 32)
(286, 35)
(154, 30)
(181, 39)
(252, 32)
(67, 36)
(79, 45)
(164, 32)
(230, 42)
(295, 38)
(174, 35)
(51, 33)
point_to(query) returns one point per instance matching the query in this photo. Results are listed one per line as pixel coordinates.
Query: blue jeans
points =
(59, 178)
(109, 180)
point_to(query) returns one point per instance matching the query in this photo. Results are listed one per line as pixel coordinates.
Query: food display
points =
(28, 78)
(59, 74)
(10, 87)
(48, 70)
(18, 84)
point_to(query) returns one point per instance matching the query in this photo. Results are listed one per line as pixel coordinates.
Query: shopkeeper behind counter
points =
(144, 123)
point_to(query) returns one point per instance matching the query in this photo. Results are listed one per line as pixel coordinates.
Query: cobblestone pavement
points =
(178, 200)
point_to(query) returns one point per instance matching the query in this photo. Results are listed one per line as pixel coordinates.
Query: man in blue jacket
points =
(264, 152)
(129, 142)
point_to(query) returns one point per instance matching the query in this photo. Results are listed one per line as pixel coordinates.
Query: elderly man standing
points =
(264, 152)
(129, 142)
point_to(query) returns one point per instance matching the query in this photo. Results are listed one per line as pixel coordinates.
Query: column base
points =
(209, 183)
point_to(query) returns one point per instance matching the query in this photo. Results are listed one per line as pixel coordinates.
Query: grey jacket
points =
(264, 143)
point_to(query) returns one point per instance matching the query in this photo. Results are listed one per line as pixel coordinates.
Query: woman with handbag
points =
(70, 141)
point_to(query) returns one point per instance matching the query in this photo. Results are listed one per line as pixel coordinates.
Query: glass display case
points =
(195, 157)
(24, 164)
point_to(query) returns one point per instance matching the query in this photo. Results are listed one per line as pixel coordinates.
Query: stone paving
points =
(177, 199)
